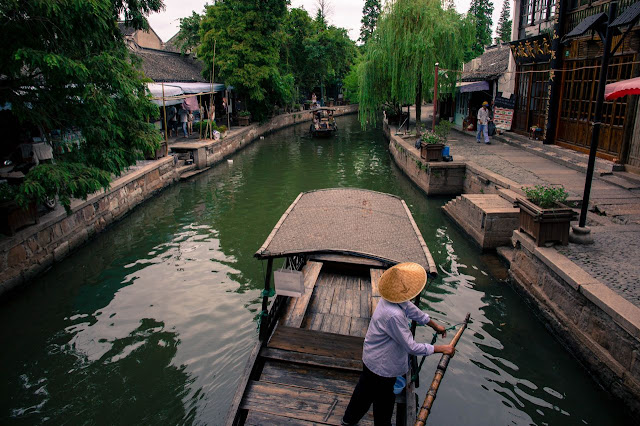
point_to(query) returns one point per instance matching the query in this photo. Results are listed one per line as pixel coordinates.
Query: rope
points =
(414, 376)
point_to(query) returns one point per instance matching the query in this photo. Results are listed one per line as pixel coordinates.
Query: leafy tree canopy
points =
(482, 11)
(504, 23)
(188, 37)
(398, 63)
(370, 13)
(65, 64)
(247, 36)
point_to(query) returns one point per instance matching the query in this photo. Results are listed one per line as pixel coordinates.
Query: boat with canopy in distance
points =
(335, 245)
(324, 123)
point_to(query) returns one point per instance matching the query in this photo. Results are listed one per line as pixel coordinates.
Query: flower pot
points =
(13, 217)
(243, 120)
(431, 151)
(545, 225)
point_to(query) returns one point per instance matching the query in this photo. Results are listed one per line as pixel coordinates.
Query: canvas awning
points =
(622, 88)
(472, 86)
(176, 92)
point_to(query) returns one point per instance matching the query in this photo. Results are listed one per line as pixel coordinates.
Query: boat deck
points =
(308, 369)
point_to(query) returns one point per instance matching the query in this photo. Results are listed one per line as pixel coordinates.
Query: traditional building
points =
(483, 79)
(556, 81)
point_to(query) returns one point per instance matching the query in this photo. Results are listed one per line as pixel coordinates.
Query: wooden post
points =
(164, 113)
(437, 379)
(435, 99)
(265, 302)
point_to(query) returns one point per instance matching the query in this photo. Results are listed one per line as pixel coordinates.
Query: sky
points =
(344, 14)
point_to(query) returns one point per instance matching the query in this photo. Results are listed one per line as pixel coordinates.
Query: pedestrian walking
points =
(184, 119)
(190, 123)
(388, 343)
(483, 123)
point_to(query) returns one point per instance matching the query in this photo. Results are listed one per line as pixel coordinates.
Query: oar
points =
(435, 384)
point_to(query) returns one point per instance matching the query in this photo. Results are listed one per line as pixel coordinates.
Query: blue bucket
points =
(399, 385)
(445, 151)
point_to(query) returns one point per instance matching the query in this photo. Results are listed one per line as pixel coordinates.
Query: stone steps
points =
(489, 219)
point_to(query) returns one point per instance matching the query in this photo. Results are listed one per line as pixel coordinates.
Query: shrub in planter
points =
(543, 216)
(431, 146)
(244, 118)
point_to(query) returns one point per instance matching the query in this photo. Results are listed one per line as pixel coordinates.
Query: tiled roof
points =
(162, 65)
(125, 29)
(493, 63)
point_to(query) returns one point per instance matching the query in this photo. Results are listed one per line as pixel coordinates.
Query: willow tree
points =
(398, 63)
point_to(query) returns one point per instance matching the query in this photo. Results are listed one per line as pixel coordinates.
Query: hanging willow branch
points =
(411, 36)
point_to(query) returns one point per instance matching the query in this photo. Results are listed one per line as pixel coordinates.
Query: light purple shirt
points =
(389, 341)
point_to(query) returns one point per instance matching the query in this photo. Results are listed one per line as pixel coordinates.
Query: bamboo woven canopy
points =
(349, 221)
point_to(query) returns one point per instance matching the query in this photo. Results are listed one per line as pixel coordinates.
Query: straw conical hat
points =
(402, 282)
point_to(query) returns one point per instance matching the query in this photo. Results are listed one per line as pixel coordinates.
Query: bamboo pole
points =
(435, 100)
(437, 378)
(164, 113)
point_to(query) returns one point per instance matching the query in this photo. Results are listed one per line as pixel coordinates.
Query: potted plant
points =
(244, 118)
(431, 146)
(543, 216)
(12, 216)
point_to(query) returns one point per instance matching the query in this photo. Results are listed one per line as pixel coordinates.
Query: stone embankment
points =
(34, 249)
(588, 316)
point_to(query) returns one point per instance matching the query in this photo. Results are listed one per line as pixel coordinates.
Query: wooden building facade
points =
(562, 102)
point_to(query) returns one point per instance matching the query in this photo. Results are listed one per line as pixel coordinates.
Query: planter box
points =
(545, 225)
(13, 217)
(160, 152)
(243, 121)
(431, 151)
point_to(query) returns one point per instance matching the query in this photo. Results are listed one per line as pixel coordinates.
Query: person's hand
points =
(441, 330)
(449, 350)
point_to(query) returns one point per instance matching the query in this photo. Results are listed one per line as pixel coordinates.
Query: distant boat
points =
(323, 124)
(336, 244)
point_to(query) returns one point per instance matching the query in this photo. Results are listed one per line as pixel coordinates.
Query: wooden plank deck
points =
(312, 361)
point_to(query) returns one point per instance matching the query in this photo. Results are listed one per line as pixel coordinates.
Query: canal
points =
(152, 321)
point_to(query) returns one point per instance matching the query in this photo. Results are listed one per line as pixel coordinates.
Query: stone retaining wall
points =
(32, 250)
(215, 151)
(598, 326)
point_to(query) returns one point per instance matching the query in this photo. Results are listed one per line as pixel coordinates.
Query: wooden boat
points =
(308, 358)
(324, 123)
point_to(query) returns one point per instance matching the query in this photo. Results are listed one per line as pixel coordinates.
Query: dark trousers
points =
(371, 389)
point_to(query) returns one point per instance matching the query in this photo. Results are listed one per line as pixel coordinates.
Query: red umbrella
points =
(622, 88)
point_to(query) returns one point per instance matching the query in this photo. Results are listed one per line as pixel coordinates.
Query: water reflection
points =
(153, 320)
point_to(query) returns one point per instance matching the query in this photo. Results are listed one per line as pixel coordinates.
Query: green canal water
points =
(153, 320)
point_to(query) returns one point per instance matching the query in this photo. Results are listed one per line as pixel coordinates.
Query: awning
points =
(622, 88)
(176, 92)
(472, 86)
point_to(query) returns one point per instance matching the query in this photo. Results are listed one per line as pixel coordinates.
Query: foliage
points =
(297, 27)
(504, 23)
(398, 63)
(65, 64)
(201, 126)
(430, 137)
(244, 113)
(546, 196)
(188, 37)
(481, 11)
(247, 36)
(7, 192)
(442, 129)
(370, 13)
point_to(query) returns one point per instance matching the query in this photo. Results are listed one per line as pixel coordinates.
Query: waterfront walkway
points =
(614, 215)
(614, 205)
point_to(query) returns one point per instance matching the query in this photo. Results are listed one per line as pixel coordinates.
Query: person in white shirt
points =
(483, 123)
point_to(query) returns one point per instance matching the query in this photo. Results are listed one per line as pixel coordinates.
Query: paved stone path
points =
(614, 258)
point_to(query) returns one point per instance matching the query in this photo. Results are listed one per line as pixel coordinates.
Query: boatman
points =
(389, 342)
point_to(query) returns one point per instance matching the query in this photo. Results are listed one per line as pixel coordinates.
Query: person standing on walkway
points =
(184, 119)
(388, 343)
(483, 123)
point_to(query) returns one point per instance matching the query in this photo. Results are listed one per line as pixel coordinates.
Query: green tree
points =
(370, 13)
(482, 11)
(65, 64)
(398, 63)
(352, 83)
(297, 27)
(504, 23)
(248, 37)
(188, 37)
